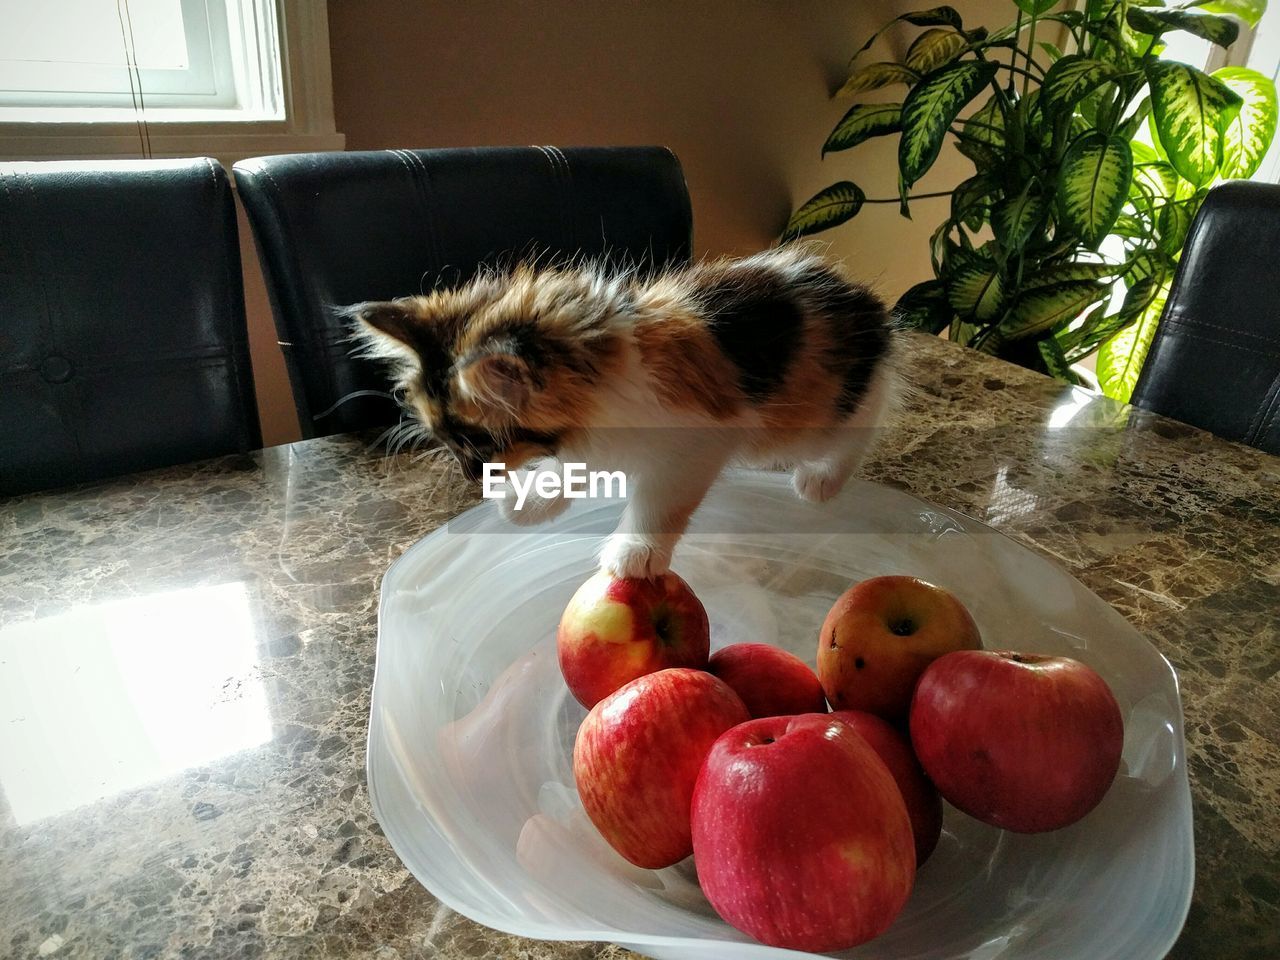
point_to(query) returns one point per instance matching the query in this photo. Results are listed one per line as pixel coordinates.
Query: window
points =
(230, 78)
(85, 60)
(1262, 53)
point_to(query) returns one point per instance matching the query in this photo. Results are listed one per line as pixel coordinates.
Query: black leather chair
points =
(1215, 359)
(337, 228)
(122, 328)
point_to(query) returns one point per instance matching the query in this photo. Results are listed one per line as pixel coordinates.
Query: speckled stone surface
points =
(269, 848)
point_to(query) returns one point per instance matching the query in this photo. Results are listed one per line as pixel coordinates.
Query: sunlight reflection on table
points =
(108, 697)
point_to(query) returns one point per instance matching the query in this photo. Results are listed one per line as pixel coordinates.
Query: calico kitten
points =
(773, 359)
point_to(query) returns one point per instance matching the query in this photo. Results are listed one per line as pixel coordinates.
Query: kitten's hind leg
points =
(822, 473)
(820, 479)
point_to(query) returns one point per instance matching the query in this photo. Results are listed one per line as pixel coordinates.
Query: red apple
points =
(770, 681)
(924, 806)
(616, 629)
(880, 635)
(637, 757)
(1021, 741)
(800, 835)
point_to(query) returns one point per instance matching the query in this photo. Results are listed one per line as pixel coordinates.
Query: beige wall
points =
(739, 89)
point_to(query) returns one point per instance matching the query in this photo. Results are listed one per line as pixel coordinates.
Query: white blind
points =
(103, 60)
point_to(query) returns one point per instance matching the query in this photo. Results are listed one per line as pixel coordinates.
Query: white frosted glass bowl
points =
(472, 731)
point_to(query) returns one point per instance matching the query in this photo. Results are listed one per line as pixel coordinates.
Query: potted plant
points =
(1089, 166)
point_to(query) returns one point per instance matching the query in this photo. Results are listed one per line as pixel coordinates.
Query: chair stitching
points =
(557, 176)
(125, 356)
(1182, 320)
(568, 198)
(1268, 354)
(165, 363)
(422, 184)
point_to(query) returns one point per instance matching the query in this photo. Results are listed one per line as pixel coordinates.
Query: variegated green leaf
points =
(1072, 79)
(1138, 297)
(1108, 327)
(925, 307)
(984, 158)
(1136, 119)
(1036, 7)
(934, 17)
(1055, 361)
(1052, 49)
(1185, 190)
(876, 75)
(1093, 184)
(1066, 272)
(1173, 222)
(825, 209)
(1043, 308)
(1014, 219)
(1079, 341)
(1190, 112)
(975, 287)
(940, 246)
(1153, 263)
(1250, 11)
(864, 121)
(933, 48)
(1220, 30)
(1128, 225)
(1250, 132)
(1145, 153)
(930, 109)
(986, 124)
(1038, 132)
(969, 203)
(1121, 357)
(1152, 180)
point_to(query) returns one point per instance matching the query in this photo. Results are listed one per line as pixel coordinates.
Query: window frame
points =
(308, 123)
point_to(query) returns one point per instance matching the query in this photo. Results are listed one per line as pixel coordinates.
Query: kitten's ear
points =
(387, 328)
(501, 380)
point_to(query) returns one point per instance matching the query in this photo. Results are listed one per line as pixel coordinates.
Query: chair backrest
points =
(334, 229)
(1215, 359)
(122, 328)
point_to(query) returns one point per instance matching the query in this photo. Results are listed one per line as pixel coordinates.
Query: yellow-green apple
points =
(616, 629)
(800, 835)
(924, 806)
(770, 681)
(637, 757)
(880, 635)
(1021, 741)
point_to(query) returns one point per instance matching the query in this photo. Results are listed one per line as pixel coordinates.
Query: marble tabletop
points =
(186, 659)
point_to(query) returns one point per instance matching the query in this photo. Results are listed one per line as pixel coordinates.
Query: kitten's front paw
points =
(629, 555)
(535, 510)
(817, 482)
